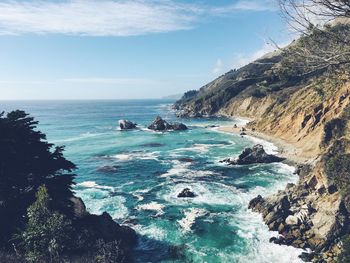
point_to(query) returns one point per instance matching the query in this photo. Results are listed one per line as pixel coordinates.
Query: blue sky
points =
(104, 49)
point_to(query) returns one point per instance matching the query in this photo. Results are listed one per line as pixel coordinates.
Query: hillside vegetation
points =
(304, 100)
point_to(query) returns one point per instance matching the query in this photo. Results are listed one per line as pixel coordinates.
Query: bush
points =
(47, 234)
(334, 129)
(344, 257)
(338, 170)
(258, 93)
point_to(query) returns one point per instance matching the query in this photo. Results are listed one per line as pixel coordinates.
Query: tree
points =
(324, 26)
(28, 161)
(305, 14)
(48, 233)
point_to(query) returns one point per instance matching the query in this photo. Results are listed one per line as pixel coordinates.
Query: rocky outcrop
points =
(305, 219)
(311, 111)
(256, 154)
(102, 226)
(127, 125)
(186, 193)
(161, 125)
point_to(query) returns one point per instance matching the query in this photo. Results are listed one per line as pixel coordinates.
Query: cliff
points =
(307, 106)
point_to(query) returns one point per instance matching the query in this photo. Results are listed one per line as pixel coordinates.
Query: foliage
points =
(259, 93)
(26, 162)
(344, 257)
(333, 129)
(109, 252)
(338, 170)
(37, 219)
(316, 52)
(48, 233)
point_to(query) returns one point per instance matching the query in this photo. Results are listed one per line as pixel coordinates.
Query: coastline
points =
(291, 153)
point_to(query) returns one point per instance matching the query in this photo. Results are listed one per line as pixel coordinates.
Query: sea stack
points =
(161, 125)
(127, 125)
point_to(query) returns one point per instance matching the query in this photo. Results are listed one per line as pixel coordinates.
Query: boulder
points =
(178, 126)
(126, 125)
(161, 125)
(104, 227)
(292, 220)
(186, 193)
(253, 155)
(79, 209)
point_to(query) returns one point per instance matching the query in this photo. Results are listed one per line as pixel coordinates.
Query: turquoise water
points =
(136, 176)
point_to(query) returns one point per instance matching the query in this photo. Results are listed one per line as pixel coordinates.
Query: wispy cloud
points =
(241, 60)
(218, 67)
(110, 17)
(247, 5)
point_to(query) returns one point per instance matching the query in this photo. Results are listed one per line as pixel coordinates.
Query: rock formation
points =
(311, 111)
(127, 125)
(186, 193)
(161, 125)
(256, 154)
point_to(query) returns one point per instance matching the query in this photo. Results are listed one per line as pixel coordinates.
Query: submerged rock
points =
(161, 125)
(127, 125)
(253, 155)
(186, 193)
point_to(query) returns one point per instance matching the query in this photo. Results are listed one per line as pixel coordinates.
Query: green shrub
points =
(258, 93)
(47, 233)
(344, 257)
(338, 170)
(333, 129)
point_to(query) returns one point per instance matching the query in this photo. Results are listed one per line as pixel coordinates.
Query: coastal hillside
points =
(301, 95)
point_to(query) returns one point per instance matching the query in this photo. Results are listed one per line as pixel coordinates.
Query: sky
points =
(128, 49)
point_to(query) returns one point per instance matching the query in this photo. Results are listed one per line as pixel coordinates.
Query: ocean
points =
(136, 176)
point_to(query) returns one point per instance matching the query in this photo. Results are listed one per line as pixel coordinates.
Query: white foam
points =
(211, 193)
(183, 169)
(153, 206)
(99, 200)
(269, 147)
(151, 231)
(124, 157)
(93, 184)
(190, 218)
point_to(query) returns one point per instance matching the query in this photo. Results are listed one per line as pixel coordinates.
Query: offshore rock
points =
(161, 125)
(186, 193)
(126, 125)
(253, 155)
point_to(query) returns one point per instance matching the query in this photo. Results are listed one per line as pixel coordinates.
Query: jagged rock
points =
(186, 193)
(178, 126)
(332, 189)
(292, 220)
(253, 155)
(307, 257)
(127, 125)
(104, 227)
(161, 125)
(255, 202)
(79, 209)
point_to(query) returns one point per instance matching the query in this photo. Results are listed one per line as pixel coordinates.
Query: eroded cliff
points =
(311, 110)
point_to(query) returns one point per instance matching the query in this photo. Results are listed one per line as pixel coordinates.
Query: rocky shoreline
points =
(306, 215)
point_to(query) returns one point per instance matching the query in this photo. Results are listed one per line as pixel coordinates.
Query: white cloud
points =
(247, 5)
(218, 67)
(94, 18)
(241, 60)
(109, 17)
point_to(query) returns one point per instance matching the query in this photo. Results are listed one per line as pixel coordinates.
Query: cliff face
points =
(310, 110)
